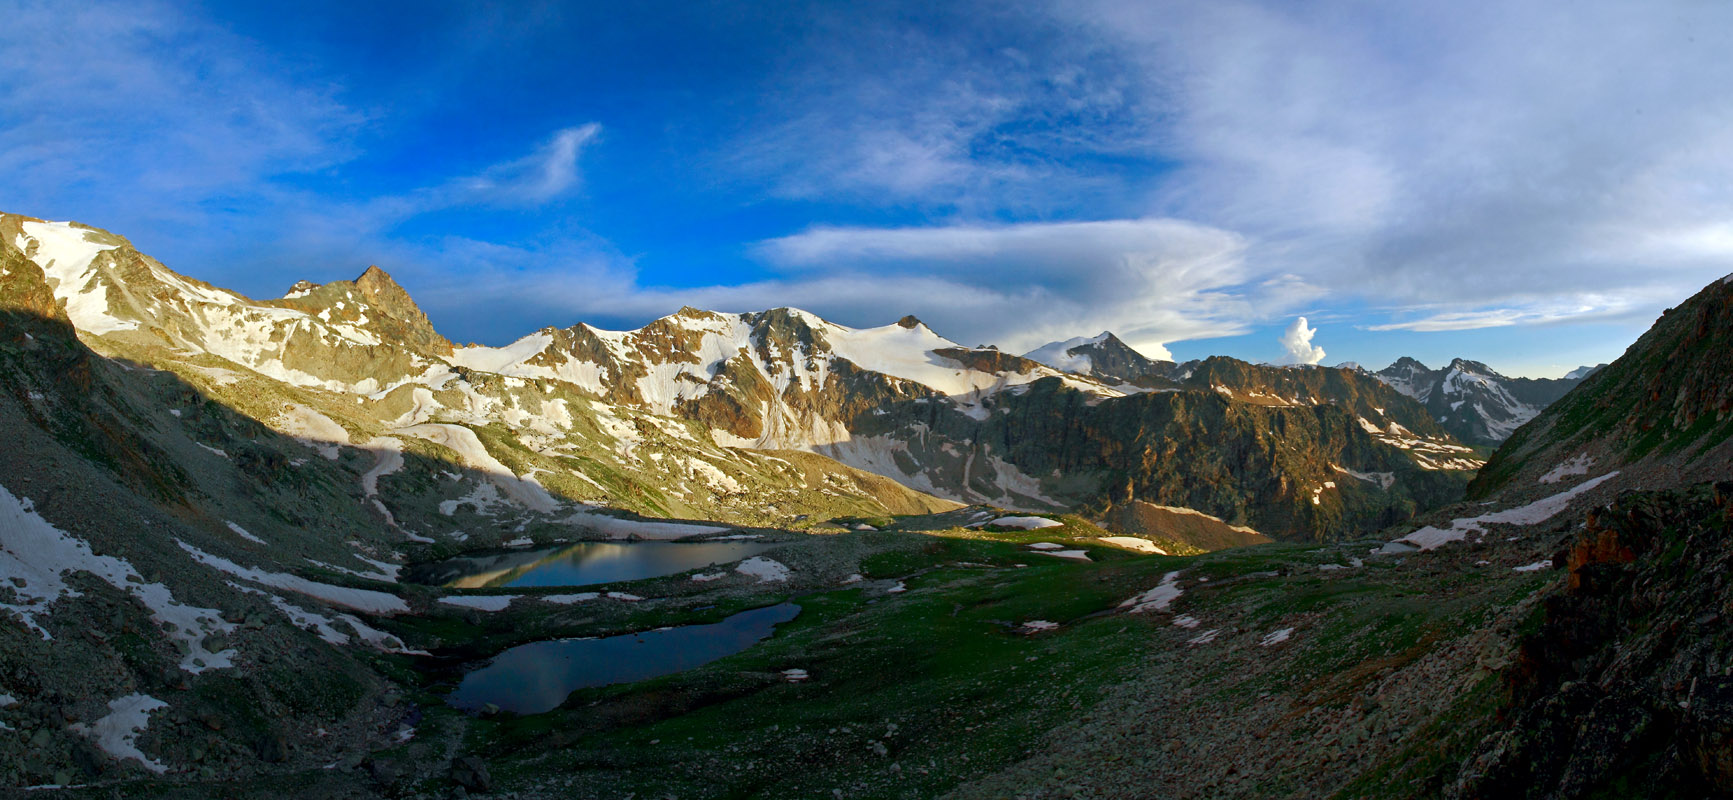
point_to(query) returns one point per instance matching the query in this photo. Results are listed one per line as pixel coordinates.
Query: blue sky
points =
(1526, 184)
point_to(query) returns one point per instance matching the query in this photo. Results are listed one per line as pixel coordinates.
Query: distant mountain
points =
(1473, 402)
(1103, 357)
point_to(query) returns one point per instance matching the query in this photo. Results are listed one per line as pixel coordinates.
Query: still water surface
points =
(581, 564)
(537, 677)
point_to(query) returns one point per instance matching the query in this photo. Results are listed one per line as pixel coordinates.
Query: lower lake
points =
(538, 677)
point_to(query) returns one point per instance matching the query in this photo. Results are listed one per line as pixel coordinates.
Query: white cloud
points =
(1297, 344)
(1152, 281)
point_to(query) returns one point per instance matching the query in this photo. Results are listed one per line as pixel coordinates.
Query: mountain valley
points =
(253, 548)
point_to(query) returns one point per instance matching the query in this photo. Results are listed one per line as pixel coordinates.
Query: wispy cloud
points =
(1494, 161)
(144, 98)
(536, 178)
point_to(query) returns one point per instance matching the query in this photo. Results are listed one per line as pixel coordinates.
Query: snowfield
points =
(1134, 543)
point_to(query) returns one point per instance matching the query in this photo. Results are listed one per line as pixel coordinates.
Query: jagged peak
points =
(911, 321)
(1409, 362)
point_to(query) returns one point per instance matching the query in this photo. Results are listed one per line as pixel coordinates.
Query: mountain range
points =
(698, 400)
(228, 530)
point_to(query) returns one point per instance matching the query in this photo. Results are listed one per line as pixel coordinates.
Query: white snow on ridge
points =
(1134, 543)
(242, 532)
(616, 528)
(312, 429)
(325, 627)
(1058, 354)
(39, 555)
(1429, 537)
(1384, 479)
(117, 732)
(388, 455)
(67, 257)
(469, 448)
(502, 360)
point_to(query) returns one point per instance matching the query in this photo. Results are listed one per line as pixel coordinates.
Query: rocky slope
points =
(1622, 690)
(1663, 411)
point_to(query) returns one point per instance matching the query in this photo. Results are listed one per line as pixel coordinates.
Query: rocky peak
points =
(910, 321)
(387, 310)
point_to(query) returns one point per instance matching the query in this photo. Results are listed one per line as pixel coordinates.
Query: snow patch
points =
(117, 733)
(1577, 466)
(1276, 637)
(1535, 567)
(1134, 543)
(492, 602)
(365, 600)
(1023, 523)
(1158, 598)
(764, 569)
(242, 532)
(1429, 537)
(68, 260)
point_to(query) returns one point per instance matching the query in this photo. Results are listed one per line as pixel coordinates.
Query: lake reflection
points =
(581, 564)
(537, 677)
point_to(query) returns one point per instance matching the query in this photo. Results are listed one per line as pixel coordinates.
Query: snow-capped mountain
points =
(1103, 357)
(1472, 401)
(677, 418)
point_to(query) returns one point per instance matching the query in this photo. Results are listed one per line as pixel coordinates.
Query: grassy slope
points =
(941, 678)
